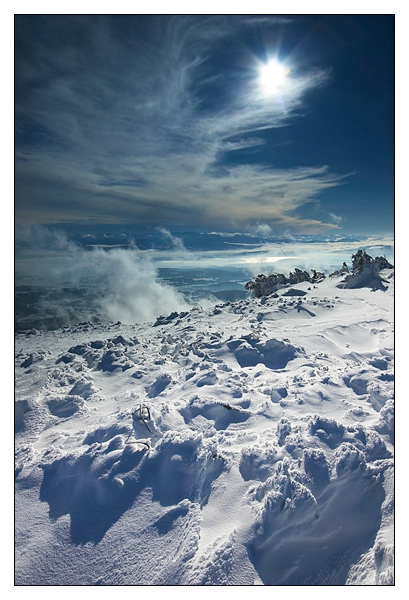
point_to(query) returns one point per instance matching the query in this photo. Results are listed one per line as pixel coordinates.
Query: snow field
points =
(265, 454)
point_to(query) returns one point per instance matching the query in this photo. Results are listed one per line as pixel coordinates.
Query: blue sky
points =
(167, 121)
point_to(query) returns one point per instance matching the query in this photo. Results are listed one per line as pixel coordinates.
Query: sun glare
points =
(272, 76)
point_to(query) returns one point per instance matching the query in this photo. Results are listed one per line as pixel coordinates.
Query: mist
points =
(69, 284)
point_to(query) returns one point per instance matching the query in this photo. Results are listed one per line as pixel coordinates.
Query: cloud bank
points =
(115, 125)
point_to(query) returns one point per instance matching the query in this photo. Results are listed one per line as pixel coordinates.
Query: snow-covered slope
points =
(248, 444)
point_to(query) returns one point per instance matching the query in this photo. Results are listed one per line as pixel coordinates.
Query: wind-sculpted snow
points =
(252, 443)
(298, 517)
(98, 485)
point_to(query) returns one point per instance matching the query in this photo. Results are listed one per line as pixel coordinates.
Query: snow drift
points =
(252, 443)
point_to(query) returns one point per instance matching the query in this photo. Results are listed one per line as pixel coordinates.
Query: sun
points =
(272, 75)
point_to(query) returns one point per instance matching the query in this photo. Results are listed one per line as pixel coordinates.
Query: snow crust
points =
(252, 443)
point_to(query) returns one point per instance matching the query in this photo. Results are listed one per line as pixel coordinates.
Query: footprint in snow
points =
(221, 414)
(159, 385)
(209, 379)
(65, 407)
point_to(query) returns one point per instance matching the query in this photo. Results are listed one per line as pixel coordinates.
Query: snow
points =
(246, 444)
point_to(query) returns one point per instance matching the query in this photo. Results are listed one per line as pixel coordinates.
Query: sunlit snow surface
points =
(265, 455)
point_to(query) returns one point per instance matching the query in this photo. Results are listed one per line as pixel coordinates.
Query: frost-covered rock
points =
(265, 285)
(366, 271)
(361, 258)
(344, 269)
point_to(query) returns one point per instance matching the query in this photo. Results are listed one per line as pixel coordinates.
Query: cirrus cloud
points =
(118, 125)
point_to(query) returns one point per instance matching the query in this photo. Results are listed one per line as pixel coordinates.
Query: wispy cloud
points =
(123, 127)
(336, 218)
(177, 244)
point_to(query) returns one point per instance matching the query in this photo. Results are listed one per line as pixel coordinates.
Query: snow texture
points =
(252, 443)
